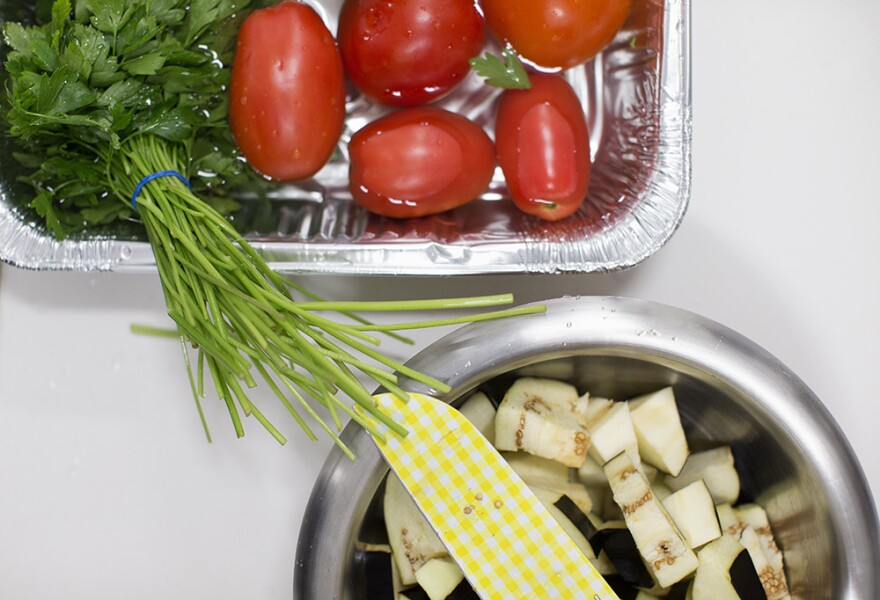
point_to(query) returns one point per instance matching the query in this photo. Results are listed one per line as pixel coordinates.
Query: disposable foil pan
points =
(637, 99)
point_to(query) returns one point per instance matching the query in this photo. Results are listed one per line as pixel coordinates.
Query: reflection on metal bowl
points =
(792, 457)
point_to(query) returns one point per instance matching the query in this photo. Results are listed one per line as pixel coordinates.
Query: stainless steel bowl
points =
(792, 456)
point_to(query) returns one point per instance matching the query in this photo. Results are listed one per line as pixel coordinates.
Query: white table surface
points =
(109, 490)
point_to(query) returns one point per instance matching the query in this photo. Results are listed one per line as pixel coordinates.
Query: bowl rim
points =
(570, 326)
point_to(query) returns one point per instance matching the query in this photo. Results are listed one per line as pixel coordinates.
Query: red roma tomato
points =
(287, 93)
(543, 147)
(419, 161)
(409, 52)
(556, 33)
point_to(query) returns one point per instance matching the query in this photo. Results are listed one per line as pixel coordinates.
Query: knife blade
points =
(505, 541)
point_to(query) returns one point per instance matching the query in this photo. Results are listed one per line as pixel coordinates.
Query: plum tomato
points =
(419, 161)
(287, 91)
(556, 33)
(409, 52)
(543, 147)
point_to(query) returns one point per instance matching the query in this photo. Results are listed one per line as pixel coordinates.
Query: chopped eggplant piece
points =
(551, 502)
(573, 532)
(413, 540)
(730, 523)
(543, 417)
(415, 593)
(726, 572)
(548, 475)
(577, 516)
(650, 472)
(757, 537)
(623, 589)
(597, 407)
(533, 468)
(661, 490)
(612, 433)
(375, 572)
(767, 562)
(661, 545)
(591, 473)
(553, 497)
(657, 425)
(715, 467)
(575, 492)
(683, 590)
(693, 512)
(479, 410)
(618, 544)
(439, 577)
(745, 580)
(463, 591)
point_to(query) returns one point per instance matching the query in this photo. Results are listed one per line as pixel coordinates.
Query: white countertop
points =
(109, 490)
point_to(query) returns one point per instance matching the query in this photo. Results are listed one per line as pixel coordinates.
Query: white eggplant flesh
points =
(767, 563)
(715, 467)
(412, 539)
(612, 433)
(543, 417)
(479, 410)
(730, 523)
(573, 490)
(757, 537)
(571, 530)
(531, 468)
(712, 580)
(726, 572)
(661, 545)
(546, 474)
(661, 490)
(650, 472)
(439, 577)
(660, 435)
(597, 407)
(591, 473)
(693, 512)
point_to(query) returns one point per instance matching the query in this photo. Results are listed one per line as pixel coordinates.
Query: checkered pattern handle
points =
(499, 533)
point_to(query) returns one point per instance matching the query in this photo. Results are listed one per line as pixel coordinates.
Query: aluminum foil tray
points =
(637, 98)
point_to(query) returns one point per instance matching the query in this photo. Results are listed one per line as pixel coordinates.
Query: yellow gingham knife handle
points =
(505, 541)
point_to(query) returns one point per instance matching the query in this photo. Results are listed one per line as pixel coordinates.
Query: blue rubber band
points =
(151, 177)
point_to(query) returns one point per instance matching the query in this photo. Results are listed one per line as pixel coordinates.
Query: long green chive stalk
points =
(244, 320)
(104, 93)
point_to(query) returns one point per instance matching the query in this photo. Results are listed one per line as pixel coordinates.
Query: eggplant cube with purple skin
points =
(662, 546)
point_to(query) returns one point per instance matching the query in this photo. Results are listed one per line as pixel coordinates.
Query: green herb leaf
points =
(109, 15)
(203, 13)
(118, 90)
(149, 64)
(18, 38)
(60, 16)
(508, 73)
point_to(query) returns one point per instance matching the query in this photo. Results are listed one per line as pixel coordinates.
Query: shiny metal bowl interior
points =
(792, 456)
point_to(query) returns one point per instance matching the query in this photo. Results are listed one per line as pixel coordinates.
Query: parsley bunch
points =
(100, 73)
(107, 92)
